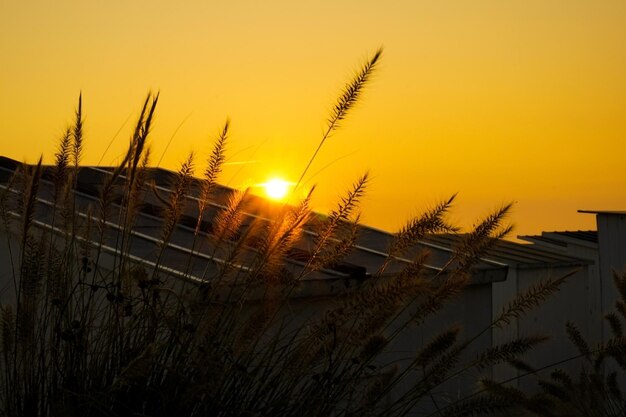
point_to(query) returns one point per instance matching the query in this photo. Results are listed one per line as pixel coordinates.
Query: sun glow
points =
(277, 189)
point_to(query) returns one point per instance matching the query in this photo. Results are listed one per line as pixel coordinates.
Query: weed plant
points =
(596, 391)
(93, 329)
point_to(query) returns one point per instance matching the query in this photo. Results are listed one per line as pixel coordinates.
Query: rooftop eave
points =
(605, 212)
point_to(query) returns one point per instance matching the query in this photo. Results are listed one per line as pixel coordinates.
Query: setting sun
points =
(277, 189)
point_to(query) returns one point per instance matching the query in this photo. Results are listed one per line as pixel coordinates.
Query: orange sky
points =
(498, 100)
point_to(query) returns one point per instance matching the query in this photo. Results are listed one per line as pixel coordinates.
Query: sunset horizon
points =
(521, 103)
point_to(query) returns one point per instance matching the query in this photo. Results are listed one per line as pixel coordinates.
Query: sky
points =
(498, 101)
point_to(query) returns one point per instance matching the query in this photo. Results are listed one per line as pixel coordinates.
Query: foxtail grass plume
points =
(212, 171)
(347, 100)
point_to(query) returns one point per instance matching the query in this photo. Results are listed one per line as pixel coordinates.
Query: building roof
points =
(560, 238)
(609, 212)
(586, 235)
(519, 254)
(369, 252)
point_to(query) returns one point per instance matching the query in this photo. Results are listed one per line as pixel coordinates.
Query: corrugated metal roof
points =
(543, 239)
(371, 247)
(586, 235)
(590, 236)
(517, 253)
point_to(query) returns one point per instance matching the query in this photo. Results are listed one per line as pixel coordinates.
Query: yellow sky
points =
(498, 100)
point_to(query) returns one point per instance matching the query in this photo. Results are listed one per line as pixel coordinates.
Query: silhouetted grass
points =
(94, 331)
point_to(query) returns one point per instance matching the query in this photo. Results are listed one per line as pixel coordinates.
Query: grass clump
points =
(97, 328)
(596, 390)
